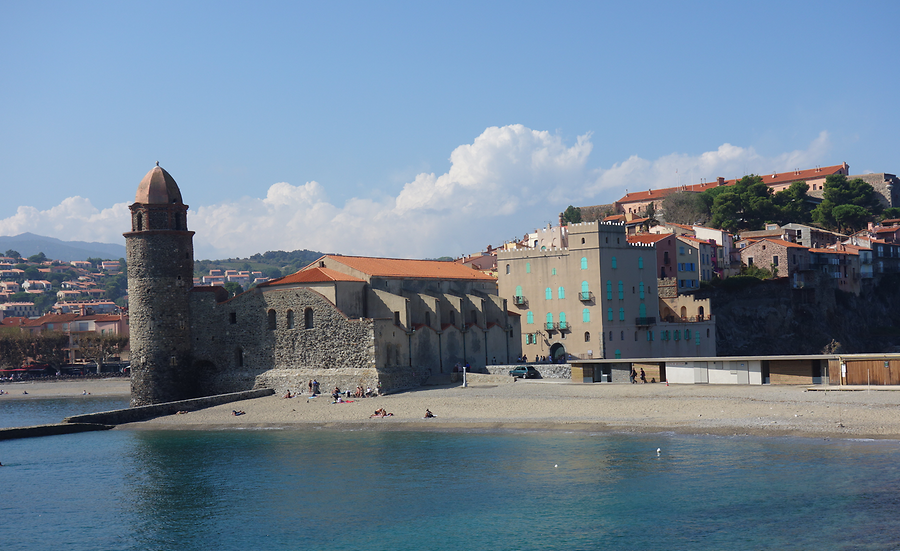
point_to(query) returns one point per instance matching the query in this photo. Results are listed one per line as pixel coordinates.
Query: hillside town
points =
(612, 281)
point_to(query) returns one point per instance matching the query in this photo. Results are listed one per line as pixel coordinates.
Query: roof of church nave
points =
(312, 275)
(397, 267)
(158, 188)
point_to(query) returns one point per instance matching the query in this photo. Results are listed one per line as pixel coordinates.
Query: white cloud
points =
(508, 181)
(728, 161)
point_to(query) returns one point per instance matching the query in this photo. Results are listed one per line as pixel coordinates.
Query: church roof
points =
(402, 268)
(312, 275)
(158, 187)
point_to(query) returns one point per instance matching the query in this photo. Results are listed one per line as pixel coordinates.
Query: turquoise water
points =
(15, 412)
(278, 489)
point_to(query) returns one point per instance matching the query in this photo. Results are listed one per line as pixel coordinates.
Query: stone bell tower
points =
(160, 256)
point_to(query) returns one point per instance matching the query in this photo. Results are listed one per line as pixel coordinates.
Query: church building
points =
(343, 320)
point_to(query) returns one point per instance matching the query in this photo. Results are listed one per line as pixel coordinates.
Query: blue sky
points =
(416, 129)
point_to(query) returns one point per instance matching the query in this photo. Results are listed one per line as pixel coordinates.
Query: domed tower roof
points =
(158, 187)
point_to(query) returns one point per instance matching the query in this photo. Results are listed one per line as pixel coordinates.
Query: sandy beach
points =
(544, 405)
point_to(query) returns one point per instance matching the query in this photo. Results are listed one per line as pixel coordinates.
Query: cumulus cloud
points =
(728, 161)
(508, 181)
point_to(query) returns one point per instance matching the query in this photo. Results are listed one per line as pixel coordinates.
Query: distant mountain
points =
(28, 244)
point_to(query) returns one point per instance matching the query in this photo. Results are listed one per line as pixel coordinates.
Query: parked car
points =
(525, 372)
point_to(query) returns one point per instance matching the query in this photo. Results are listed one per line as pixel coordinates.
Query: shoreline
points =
(540, 405)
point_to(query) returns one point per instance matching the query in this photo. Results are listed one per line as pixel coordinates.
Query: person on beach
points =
(633, 375)
(237, 412)
(379, 389)
(643, 376)
(428, 414)
(287, 394)
(310, 386)
(315, 387)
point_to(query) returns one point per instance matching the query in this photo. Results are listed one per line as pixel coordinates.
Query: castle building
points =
(344, 321)
(600, 298)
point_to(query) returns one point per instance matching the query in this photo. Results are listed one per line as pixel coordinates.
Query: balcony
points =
(563, 326)
(550, 326)
(586, 296)
(519, 300)
(645, 322)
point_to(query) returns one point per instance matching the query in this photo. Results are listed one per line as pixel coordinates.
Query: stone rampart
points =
(142, 413)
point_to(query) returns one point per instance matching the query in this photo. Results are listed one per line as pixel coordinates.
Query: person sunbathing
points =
(287, 394)
(237, 412)
(428, 414)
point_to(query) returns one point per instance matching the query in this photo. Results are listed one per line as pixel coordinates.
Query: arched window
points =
(562, 293)
(697, 342)
(528, 267)
(643, 310)
(584, 263)
(683, 312)
(586, 315)
(640, 263)
(687, 334)
(239, 356)
(608, 290)
(271, 320)
(518, 291)
(562, 320)
(677, 335)
(621, 314)
(530, 317)
(308, 318)
(621, 335)
(641, 287)
(507, 269)
(549, 320)
(621, 290)
(618, 354)
(548, 293)
(139, 225)
(609, 314)
(613, 263)
(290, 319)
(649, 335)
(587, 336)
(699, 313)
(585, 291)
(552, 271)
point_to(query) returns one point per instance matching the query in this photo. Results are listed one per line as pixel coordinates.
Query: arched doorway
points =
(558, 353)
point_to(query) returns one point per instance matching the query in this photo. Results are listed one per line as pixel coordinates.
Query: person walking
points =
(633, 375)
(643, 376)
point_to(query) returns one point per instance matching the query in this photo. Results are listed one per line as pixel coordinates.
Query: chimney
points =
(720, 181)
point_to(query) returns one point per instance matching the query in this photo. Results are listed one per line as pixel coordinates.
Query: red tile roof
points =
(769, 179)
(832, 251)
(401, 268)
(312, 275)
(648, 237)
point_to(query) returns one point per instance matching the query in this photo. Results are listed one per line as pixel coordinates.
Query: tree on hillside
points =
(32, 273)
(572, 215)
(684, 207)
(746, 205)
(233, 288)
(651, 215)
(793, 204)
(850, 218)
(12, 254)
(892, 213)
(37, 258)
(841, 191)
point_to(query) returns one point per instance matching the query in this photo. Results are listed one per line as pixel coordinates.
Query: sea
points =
(273, 489)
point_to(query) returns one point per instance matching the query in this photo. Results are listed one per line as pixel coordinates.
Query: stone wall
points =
(234, 345)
